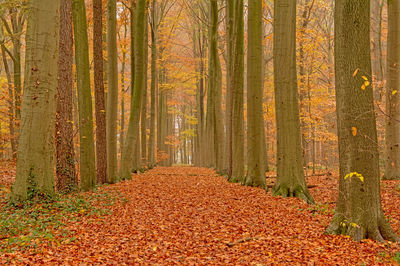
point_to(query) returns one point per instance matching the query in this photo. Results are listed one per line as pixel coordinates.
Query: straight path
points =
(187, 215)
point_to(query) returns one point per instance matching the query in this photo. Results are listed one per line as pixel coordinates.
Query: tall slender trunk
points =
(132, 138)
(255, 119)
(86, 136)
(11, 109)
(65, 169)
(290, 173)
(143, 112)
(392, 170)
(35, 163)
(153, 86)
(230, 16)
(238, 159)
(122, 119)
(112, 94)
(100, 108)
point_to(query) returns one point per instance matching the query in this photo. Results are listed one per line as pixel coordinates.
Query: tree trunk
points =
(376, 32)
(143, 112)
(123, 66)
(11, 109)
(66, 177)
(290, 174)
(230, 17)
(153, 87)
(392, 170)
(101, 140)
(134, 119)
(238, 96)
(255, 119)
(112, 94)
(214, 123)
(35, 163)
(358, 213)
(86, 136)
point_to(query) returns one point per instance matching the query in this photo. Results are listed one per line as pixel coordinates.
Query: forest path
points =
(188, 215)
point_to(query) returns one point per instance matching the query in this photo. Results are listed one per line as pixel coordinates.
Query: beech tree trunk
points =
(66, 177)
(35, 163)
(290, 174)
(153, 86)
(358, 213)
(143, 112)
(100, 105)
(255, 119)
(134, 119)
(11, 109)
(86, 136)
(392, 170)
(214, 123)
(112, 94)
(238, 160)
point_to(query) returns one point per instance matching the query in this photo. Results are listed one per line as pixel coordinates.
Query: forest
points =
(187, 132)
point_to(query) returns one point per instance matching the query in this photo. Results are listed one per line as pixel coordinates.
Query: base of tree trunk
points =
(294, 191)
(236, 179)
(396, 177)
(254, 182)
(378, 230)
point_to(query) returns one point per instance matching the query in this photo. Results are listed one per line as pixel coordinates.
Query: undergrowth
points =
(44, 219)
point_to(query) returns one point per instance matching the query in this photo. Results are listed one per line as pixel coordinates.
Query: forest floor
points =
(188, 215)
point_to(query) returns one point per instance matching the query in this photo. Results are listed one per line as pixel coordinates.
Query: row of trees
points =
(217, 140)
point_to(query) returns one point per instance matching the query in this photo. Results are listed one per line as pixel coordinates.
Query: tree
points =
(112, 95)
(255, 119)
(153, 84)
(392, 170)
(65, 169)
(86, 136)
(358, 213)
(290, 174)
(143, 107)
(134, 119)
(238, 160)
(11, 109)
(35, 162)
(214, 123)
(101, 139)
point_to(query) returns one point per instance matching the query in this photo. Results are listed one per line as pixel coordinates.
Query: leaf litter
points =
(189, 215)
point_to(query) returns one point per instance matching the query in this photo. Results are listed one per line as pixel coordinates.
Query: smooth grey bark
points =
(36, 160)
(255, 119)
(112, 94)
(134, 119)
(86, 135)
(290, 174)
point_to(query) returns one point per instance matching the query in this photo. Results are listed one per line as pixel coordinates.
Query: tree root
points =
(298, 191)
(378, 231)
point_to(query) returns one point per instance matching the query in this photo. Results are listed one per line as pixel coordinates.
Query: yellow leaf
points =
(364, 78)
(361, 178)
(366, 83)
(363, 87)
(354, 131)
(394, 92)
(355, 72)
